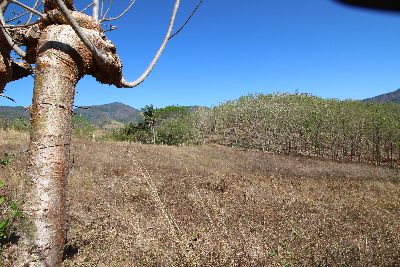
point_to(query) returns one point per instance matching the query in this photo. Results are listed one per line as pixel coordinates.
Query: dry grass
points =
(143, 205)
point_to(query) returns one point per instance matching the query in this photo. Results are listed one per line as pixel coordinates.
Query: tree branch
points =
(19, 26)
(101, 58)
(122, 14)
(96, 9)
(17, 16)
(101, 8)
(87, 7)
(28, 8)
(36, 5)
(187, 20)
(7, 97)
(9, 40)
(110, 2)
(146, 73)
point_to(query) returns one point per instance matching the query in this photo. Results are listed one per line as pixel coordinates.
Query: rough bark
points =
(61, 60)
(58, 69)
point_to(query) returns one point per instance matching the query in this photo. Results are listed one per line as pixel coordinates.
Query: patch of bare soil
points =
(144, 205)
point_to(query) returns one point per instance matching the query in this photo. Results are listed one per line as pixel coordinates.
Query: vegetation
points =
(307, 125)
(82, 128)
(5, 161)
(19, 124)
(297, 124)
(9, 211)
(172, 125)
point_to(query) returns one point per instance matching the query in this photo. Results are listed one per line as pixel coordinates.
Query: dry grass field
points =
(145, 205)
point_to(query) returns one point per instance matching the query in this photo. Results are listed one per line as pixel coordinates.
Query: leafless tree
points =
(64, 45)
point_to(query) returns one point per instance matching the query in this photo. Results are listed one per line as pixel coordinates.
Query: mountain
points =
(393, 97)
(109, 114)
(104, 116)
(13, 113)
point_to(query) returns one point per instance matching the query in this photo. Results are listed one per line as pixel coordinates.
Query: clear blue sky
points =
(233, 48)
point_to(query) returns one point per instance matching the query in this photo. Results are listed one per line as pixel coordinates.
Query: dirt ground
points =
(145, 205)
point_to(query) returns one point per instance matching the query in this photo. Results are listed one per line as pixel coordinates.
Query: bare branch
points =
(19, 26)
(87, 7)
(96, 9)
(110, 28)
(7, 97)
(17, 17)
(146, 73)
(36, 5)
(101, 58)
(9, 40)
(101, 8)
(187, 20)
(122, 14)
(110, 2)
(28, 8)
(83, 107)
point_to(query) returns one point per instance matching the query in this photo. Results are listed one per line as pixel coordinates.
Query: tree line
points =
(306, 125)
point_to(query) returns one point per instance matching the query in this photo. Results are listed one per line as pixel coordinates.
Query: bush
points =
(9, 213)
(172, 125)
(176, 131)
(82, 128)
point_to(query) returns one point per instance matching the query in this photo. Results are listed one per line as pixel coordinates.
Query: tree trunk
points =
(57, 74)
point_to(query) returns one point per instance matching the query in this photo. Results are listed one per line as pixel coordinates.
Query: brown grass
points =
(144, 205)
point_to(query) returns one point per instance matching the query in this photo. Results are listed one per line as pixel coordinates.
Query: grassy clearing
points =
(148, 205)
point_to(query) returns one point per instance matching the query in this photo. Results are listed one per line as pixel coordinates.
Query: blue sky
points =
(233, 48)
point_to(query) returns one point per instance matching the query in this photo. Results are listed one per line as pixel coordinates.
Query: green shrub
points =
(6, 160)
(176, 131)
(82, 128)
(9, 213)
(172, 125)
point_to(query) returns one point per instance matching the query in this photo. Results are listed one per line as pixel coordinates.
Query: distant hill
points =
(13, 113)
(110, 114)
(393, 97)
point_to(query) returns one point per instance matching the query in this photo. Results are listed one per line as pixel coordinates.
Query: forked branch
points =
(3, 6)
(10, 41)
(120, 15)
(32, 10)
(110, 2)
(102, 58)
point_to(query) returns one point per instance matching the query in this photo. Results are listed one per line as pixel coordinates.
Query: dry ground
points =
(143, 205)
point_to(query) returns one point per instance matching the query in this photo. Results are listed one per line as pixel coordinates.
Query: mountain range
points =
(109, 115)
(392, 97)
(104, 116)
(116, 114)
